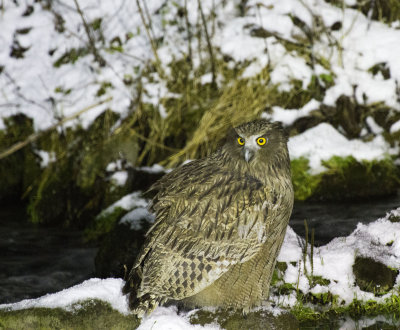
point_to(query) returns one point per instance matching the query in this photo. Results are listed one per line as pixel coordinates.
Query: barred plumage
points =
(220, 222)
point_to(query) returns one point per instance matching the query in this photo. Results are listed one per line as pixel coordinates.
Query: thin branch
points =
(209, 46)
(92, 43)
(152, 43)
(33, 137)
(189, 34)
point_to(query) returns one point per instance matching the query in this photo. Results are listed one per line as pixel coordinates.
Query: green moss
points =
(104, 224)
(304, 183)
(103, 88)
(319, 280)
(231, 320)
(71, 56)
(19, 170)
(345, 178)
(313, 317)
(374, 276)
(92, 314)
(73, 189)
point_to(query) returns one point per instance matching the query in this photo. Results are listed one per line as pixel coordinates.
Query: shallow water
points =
(38, 260)
(336, 219)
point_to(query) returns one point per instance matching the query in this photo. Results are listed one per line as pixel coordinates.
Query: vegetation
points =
(91, 314)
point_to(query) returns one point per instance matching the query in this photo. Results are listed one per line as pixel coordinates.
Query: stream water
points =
(38, 260)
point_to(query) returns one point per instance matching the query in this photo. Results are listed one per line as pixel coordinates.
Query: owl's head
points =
(257, 141)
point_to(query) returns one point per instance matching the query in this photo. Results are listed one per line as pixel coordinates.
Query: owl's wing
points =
(207, 220)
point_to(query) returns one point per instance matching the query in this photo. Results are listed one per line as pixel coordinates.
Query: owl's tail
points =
(140, 305)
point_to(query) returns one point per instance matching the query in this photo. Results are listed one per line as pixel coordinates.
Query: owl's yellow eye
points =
(261, 141)
(240, 141)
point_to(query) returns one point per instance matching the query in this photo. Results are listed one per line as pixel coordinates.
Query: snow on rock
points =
(134, 218)
(289, 116)
(108, 290)
(395, 127)
(33, 85)
(119, 178)
(323, 142)
(167, 318)
(128, 202)
(335, 260)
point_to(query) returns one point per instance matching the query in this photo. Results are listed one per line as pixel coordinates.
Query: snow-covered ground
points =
(323, 142)
(333, 262)
(33, 85)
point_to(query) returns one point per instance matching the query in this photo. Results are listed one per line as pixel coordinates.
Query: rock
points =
(373, 276)
(118, 251)
(90, 314)
(264, 320)
(25, 163)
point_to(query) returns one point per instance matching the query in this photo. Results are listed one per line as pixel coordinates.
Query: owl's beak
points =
(248, 154)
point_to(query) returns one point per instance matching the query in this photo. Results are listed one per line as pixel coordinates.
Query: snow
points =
(34, 86)
(134, 218)
(156, 168)
(46, 157)
(167, 319)
(128, 202)
(333, 262)
(30, 84)
(395, 127)
(323, 142)
(119, 178)
(289, 116)
(108, 290)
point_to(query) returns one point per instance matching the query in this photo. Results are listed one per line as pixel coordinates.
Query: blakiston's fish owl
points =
(220, 223)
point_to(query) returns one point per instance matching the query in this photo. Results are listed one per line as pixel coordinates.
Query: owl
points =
(220, 223)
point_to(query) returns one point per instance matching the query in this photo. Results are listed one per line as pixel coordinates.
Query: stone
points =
(373, 276)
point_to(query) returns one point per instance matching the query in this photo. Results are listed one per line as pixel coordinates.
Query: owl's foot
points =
(143, 305)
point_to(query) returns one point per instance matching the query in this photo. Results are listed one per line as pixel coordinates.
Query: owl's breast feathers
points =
(208, 219)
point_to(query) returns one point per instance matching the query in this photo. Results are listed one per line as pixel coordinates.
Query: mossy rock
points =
(373, 276)
(19, 170)
(74, 188)
(345, 179)
(349, 179)
(91, 314)
(118, 251)
(254, 320)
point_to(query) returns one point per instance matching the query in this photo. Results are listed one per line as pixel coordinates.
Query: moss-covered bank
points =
(92, 314)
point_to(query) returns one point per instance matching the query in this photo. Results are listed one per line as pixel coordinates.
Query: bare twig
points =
(209, 46)
(152, 43)
(92, 43)
(33, 137)
(189, 33)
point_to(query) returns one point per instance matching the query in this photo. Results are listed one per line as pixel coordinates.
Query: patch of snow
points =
(167, 318)
(323, 142)
(46, 157)
(127, 202)
(395, 127)
(119, 178)
(108, 290)
(289, 116)
(156, 168)
(135, 217)
(375, 128)
(335, 260)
